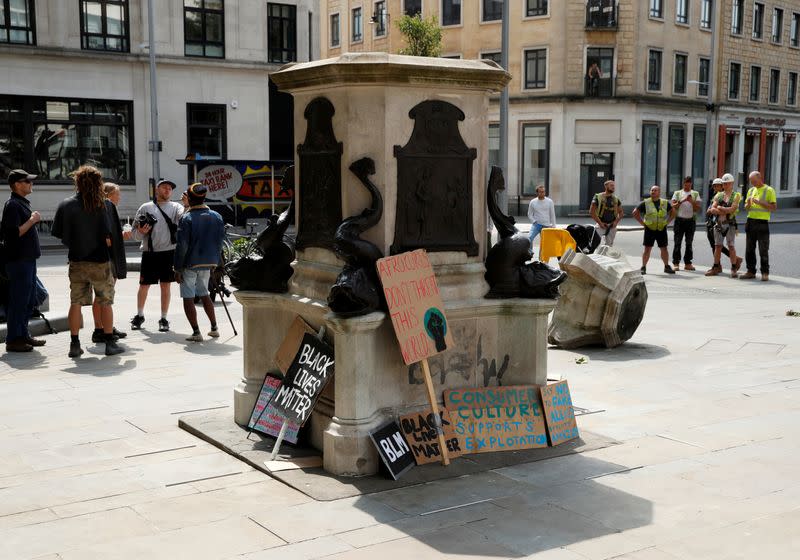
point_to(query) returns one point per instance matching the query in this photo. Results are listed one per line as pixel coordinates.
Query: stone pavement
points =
(703, 399)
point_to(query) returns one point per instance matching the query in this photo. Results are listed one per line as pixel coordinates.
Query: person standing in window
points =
(593, 75)
(21, 251)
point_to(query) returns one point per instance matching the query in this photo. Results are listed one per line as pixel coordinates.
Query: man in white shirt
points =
(686, 203)
(541, 213)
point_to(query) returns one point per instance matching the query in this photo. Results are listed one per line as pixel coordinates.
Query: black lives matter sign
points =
(393, 449)
(308, 374)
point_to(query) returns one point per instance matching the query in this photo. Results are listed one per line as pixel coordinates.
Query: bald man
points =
(655, 213)
(759, 203)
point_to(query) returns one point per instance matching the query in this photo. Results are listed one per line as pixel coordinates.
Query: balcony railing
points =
(602, 14)
(599, 87)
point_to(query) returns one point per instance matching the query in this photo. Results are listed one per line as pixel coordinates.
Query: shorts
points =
(86, 276)
(157, 267)
(729, 236)
(609, 237)
(653, 236)
(194, 282)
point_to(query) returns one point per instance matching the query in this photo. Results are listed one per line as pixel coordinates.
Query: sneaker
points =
(714, 270)
(35, 342)
(734, 274)
(112, 348)
(99, 337)
(18, 345)
(668, 270)
(676, 266)
(196, 337)
(119, 334)
(689, 266)
(214, 333)
(764, 277)
(75, 349)
(643, 270)
(737, 264)
(163, 325)
(136, 322)
(747, 275)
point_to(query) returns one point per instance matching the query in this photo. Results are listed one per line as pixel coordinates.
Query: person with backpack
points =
(724, 209)
(21, 248)
(655, 213)
(606, 211)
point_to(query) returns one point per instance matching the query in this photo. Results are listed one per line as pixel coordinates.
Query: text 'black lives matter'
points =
(310, 371)
(393, 449)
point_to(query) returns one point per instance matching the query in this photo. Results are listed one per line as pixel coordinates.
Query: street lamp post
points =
(503, 202)
(154, 144)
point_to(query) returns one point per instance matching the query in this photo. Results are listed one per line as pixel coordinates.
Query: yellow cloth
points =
(555, 243)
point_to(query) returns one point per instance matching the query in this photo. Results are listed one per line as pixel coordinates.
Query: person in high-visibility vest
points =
(724, 210)
(760, 203)
(655, 213)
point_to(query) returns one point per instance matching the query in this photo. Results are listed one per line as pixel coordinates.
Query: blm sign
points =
(310, 371)
(393, 449)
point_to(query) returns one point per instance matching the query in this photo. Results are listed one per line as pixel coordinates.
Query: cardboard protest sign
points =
(268, 421)
(560, 415)
(421, 434)
(291, 342)
(415, 305)
(393, 449)
(497, 418)
(310, 371)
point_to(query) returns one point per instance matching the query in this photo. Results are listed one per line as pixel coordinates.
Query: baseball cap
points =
(716, 181)
(19, 175)
(166, 182)
(197, 190)
(727, 178)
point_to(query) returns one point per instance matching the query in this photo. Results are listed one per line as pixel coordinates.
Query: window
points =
(654, 71)
(495, 56)
(737, 17)
(53, 136)
(657, 9)
(535, 157)
(679, 77)
(379, 18)
(494, 145)
(281, 33)
(699, 154)
(774, 84)
(204, 28)
(755, 83)
(206, 130)
(104, 26)
(786, 151)
(536, 69)
(734, 79)
(794, 40)
(705, 14)
(682, 11)
(17, 22)
(758, 21)
(791, 89)
(703, 77)
(451, 12)
(599, 79)
(651, 161)
(676, 155)
(492, 10)
(777, 25)
(535, 8)
(412, 7)
(356, 26)
(335, 30)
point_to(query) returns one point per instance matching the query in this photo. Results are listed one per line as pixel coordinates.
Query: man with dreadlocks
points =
(87, 224)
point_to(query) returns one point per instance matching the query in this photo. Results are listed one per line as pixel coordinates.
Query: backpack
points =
(586, 238)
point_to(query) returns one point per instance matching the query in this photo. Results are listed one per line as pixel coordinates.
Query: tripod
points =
(217, 286)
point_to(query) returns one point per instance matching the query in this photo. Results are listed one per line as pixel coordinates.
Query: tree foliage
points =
(423, 36)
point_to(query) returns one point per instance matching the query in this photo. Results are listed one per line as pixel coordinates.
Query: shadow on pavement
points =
(100, 365)
(626, 352)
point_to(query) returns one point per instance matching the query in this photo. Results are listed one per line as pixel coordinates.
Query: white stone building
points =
(76, 88)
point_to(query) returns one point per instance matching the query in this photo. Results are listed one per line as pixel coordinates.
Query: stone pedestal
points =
(602, 301)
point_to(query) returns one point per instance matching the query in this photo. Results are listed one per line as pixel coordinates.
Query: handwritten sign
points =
(415, 305)
(269, 421)
(561, 425)
(222, 181)
(497, 418)
(291, 343)
(310, 371)
(393, 449)
(421, 434)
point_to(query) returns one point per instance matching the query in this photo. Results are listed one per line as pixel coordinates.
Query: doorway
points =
(596, 169)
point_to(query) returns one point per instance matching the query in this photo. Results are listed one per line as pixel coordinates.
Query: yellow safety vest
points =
(655, 218)
(757, 212)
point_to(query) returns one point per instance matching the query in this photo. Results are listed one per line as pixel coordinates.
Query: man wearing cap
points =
(655, 214)
(22, 249)
(685, 202)
(724, 209)
(156, 228)
(200, 235)
(760, 203)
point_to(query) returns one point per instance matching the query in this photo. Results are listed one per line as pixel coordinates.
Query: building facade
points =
(601, 88)
(76, 86)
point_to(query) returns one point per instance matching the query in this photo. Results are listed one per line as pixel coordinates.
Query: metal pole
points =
(154, 147)
(711, 132)
(503, 202)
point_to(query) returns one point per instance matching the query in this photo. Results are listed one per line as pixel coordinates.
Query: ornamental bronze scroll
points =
(434, 183)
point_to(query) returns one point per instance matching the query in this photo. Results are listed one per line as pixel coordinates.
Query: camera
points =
(146, 219)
